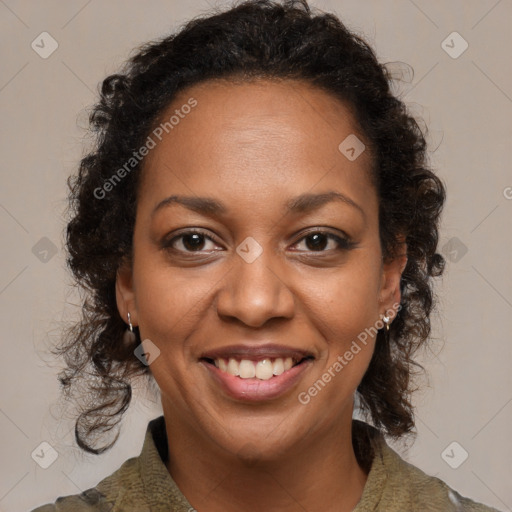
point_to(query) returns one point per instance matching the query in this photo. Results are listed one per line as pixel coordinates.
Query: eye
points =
(189, 241)
(317, 241)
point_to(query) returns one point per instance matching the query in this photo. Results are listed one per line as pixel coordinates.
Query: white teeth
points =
(233, 367)
(247, 369)
(278, 366)
(264, 369)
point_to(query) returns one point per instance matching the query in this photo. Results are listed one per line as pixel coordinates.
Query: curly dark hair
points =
(253, 39)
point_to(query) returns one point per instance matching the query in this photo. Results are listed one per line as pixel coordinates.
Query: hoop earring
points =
(386, 320)
(129, 336)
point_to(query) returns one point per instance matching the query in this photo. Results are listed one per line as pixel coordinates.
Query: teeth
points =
(233, 367)
(222, 364)
(247, 369)
(264, 369)
(278, 366)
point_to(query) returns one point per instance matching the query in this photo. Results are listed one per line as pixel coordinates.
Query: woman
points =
(257, 229)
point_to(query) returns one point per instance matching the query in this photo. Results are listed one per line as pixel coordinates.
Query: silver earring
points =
(386, 320)
(129, 336)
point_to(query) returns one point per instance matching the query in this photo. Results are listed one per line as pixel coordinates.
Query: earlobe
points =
(125, 295)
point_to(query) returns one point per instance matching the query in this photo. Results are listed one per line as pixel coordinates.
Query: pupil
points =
(195, 245)
(315, 244)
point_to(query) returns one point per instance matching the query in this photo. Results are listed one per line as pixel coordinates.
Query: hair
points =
(255, 39)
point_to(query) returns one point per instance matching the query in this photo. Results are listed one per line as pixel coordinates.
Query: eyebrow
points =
(301, 204)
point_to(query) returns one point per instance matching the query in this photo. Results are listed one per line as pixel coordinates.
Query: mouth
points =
(256, 373)
(261, 369)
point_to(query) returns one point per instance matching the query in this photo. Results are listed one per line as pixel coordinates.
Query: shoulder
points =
(87, 501)
(141, 483)
(105, 496)
(395, 485)
(425, 492)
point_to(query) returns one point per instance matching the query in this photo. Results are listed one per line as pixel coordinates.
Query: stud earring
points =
(129, 336)
(386, 320)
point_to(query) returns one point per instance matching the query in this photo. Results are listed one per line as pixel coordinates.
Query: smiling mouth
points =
(262, 369)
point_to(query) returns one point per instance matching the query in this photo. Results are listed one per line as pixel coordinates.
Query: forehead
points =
(255, 139)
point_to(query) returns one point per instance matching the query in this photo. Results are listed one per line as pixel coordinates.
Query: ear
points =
(125, 294)
(389, 292)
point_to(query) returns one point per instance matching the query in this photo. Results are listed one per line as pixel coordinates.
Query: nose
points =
(255, 292)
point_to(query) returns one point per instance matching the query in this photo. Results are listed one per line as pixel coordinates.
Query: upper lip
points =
(256, 352)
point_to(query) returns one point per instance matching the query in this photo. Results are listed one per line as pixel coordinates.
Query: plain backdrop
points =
(466, 101)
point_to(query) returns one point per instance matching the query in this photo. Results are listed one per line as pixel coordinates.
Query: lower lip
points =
(257, 390)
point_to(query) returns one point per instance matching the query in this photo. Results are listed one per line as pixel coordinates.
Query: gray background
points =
(466, 103)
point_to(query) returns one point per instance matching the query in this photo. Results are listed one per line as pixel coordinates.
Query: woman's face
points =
(271, 253)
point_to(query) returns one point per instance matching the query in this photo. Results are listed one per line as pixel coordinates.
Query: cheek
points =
(170, 308)
(347, 326)
(169, 302)
(347, 300)
(345, 310)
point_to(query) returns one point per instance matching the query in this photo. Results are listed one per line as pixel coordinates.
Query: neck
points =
(322, 473)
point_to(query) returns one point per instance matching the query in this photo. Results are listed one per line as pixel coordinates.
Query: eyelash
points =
(343, 243)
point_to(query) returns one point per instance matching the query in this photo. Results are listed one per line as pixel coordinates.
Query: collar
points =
(159, 487)
(371, 450)
(144, 484)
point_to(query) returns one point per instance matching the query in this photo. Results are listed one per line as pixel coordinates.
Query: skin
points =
(253, 146)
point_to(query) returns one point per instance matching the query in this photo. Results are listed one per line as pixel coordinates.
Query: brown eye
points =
(193, 241)
(317, 241)
(189, 241)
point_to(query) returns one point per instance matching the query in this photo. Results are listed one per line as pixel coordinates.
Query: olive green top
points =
(143, 484)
